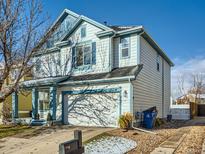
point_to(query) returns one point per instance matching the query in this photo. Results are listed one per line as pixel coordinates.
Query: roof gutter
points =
(117, 79)
(47, 51)
(130, 31)
(105, 33)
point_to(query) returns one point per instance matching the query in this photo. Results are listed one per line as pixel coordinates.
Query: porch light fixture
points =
(125, 93)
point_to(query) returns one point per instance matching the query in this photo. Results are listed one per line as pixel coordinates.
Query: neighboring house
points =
(191, 98)
(188, 106)
(89, 73)
(24, 97)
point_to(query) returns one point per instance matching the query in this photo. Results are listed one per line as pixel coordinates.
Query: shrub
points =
(159, 122)
(49, 117)
(125, 120)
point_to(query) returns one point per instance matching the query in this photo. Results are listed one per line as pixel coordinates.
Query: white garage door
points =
(92, 109)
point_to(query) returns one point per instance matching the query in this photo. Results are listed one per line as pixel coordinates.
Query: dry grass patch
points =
(10, 130)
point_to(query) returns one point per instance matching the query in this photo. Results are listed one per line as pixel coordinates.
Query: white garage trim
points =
(89, 91)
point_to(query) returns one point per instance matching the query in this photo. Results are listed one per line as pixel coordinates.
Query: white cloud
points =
(187, 68)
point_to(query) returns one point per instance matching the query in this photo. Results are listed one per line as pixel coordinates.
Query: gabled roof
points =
(125, 30)
(80, 20)
(60, 18)
(110, 30)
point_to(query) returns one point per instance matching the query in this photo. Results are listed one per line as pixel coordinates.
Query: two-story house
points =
(90, 73)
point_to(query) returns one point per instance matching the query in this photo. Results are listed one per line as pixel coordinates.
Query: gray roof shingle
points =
(115, 73)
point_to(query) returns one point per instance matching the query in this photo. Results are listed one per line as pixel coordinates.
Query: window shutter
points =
(94, 53)
(73, 57)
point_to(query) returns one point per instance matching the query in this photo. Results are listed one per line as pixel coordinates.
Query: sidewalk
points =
(172, 143)
(185, 139)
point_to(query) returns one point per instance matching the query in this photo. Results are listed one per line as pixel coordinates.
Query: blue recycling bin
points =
(149, 118)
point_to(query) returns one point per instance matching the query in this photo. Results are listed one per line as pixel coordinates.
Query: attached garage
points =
(92, 107)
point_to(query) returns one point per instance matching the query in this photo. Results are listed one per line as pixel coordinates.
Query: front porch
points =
(44, 101)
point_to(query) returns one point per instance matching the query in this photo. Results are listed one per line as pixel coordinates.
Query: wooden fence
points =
(193, 110)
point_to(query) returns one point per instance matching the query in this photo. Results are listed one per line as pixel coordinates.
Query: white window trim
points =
(127, 57)
(83, 45)
(83, 26)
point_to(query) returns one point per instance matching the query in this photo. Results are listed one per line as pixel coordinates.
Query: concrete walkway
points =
(172, 143)
(45, 143)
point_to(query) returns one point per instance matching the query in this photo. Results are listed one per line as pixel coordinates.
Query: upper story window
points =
(158, 62)
(79, 56)
(84, 54)
(125, 44)
(87, 55)
(83, 31)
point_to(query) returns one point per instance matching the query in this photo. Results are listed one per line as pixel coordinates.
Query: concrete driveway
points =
(46, 143)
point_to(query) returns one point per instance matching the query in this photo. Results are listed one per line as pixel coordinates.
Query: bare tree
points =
(180, 84)
(198, 86)
(22, 34)
(182, 89)
(191, 84)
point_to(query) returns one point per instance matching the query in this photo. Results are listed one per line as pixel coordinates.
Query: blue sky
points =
(178, 26)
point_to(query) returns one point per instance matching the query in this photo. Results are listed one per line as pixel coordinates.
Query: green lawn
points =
(9, 130)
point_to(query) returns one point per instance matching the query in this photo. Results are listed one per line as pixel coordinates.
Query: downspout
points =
(131, 97)
(163, 88)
